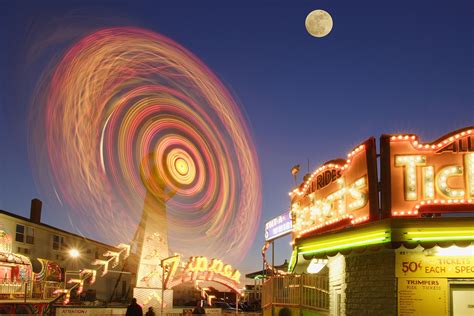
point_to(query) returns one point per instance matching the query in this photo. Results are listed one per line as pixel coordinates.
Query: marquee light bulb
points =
(442, 181)
(428, 187)
(409, 164)
(469, 165)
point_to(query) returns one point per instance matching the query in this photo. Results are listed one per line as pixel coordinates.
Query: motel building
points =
(392, 235)
(39, 262)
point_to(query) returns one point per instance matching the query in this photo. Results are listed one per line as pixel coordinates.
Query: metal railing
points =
(306, 290)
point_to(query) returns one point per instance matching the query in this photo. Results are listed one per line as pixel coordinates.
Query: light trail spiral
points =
(128, 110)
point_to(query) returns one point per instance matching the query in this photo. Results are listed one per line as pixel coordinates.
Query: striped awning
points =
(390, 234)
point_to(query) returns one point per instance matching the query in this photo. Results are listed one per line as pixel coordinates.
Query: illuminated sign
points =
(422, 296)
(408, 264)
(278, 226)
(340, 193)
(425, 177)
(200, 268)
(5, 240)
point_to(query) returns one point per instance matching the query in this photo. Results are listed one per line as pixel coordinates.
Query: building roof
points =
(390, 233)
(55, 228)
(261, 273)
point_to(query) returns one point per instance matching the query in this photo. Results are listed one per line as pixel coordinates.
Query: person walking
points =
(199, 310)
(150, 312)
(134, 309)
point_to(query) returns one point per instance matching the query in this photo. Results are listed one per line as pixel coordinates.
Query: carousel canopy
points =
(13, 258)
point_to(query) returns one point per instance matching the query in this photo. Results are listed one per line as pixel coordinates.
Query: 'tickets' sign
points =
(409, 264)
(338, 194)
(419, 178)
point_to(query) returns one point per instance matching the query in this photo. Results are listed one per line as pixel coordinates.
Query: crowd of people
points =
(134, 309)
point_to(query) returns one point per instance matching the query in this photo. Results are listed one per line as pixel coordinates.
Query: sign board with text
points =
(60, 311)
(340, 193)
(279, 226)
(431, 177)
(409, 264)
(422, 296)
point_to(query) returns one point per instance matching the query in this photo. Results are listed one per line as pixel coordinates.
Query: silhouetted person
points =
(285, 311)
(199, 310)
(150, 312)
(134, 309)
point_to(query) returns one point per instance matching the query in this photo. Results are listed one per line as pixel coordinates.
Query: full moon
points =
(318, 23)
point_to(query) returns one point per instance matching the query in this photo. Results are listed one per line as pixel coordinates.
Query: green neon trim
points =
(441, 232)
(294, 254)
(437, 238)
(344, 246)
(338, 241)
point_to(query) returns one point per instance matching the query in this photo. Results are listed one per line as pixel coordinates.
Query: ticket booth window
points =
(462, 299)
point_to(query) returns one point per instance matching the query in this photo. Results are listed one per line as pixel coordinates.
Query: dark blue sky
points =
(387, 67)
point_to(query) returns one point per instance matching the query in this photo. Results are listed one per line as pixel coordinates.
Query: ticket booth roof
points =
(389, 233)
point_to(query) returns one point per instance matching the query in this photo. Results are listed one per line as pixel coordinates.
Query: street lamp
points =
(74, 253)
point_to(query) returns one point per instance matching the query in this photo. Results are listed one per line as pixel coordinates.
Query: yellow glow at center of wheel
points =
(181, 166)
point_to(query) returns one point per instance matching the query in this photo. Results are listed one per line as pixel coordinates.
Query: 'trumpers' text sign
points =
(422, 296)
(410, 264)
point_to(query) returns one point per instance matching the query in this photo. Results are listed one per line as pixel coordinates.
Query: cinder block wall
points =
(371, 285)
(337, 284)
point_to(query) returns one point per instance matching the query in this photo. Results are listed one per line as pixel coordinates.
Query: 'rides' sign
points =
(340, 193)
(427, 177)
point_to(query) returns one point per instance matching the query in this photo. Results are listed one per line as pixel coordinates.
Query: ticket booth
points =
(395, 226)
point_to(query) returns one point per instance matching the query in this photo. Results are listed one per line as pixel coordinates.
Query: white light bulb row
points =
(359, 197)
(469, 165)
(442, 181)
(324, 167)
(329, 222)
(359, 219)
(409, 164)
(405, 213)
(432, 202)
(428, 188)
(417, 145)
